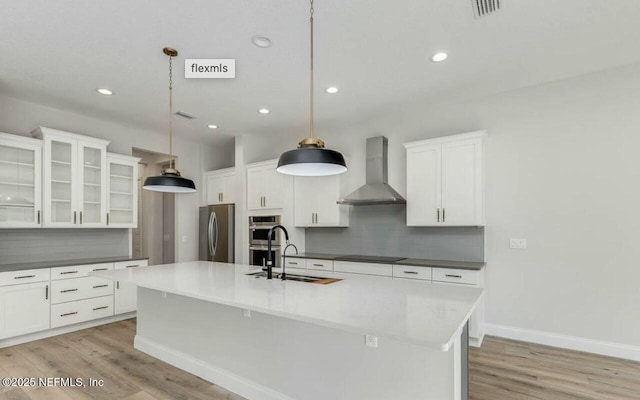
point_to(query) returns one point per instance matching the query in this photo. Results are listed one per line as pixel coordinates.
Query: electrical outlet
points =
(518, 244)
(371, 340)
(246, 313)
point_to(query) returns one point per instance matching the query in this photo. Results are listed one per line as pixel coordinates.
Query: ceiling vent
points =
(186, 115)
(484, 8)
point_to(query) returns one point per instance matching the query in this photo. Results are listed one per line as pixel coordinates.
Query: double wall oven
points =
(259, 226)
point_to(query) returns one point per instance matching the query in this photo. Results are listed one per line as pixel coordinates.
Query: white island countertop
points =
(421, 313)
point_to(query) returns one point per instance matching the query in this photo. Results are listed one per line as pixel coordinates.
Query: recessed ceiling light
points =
(105, 92)
(211, 126)
(264, 111)
(261, 41)
(332, 89)
(439, 57)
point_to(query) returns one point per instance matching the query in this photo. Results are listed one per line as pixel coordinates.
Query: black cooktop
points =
(379, 259)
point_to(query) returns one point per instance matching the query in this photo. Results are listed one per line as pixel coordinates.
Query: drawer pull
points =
(411, 272)
(132, 266)
(318, 265)
(69, 272)
(69, 313)
(100, 308)
(24, 277)
(453, 276)
(100, 269)
(292, 262)
(100, 286)
(68, 290)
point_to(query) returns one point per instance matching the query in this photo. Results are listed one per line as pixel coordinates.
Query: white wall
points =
(563, 171)
(20, 117)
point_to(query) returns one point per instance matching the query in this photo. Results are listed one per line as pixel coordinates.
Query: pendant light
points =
(311, 158)
(170, 179)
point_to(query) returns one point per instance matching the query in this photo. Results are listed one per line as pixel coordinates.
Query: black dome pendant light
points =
(170, 179)
(311, 158)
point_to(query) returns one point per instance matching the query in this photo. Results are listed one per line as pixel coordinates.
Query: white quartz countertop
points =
(422, 313)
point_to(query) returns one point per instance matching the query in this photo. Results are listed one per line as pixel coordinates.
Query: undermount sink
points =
(295, 277)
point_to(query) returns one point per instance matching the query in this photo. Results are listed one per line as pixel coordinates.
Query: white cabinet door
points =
(315, 202)
(20, 182)
(122, 200)
(126, 293)
(275, 187)
(220, 187)
(266, 187)
(60, 183)
(423, 186)
(215, 189)
(462, 183)
(92, 180)
(305, 200)
(229, 188)
(255, 188)
(24, 309)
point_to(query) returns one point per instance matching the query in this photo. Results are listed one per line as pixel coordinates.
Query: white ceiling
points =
(377, 52)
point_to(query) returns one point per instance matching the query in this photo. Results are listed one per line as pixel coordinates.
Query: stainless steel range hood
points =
(376, 190)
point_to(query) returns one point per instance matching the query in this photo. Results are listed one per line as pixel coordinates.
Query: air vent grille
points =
(483, 8)
(186, 115)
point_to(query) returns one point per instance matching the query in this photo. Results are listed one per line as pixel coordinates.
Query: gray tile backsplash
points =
(33, 245)
(382, 231)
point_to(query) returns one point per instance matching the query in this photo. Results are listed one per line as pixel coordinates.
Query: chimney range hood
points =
(376, 189)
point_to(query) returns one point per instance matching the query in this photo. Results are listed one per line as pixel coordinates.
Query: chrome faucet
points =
(271, 263)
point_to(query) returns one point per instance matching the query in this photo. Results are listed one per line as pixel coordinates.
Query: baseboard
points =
(232, 382)
(476, 342)
(30, 337)
(565, 341)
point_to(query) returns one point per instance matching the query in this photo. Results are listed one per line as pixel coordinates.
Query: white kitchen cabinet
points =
(445, 181)
(126, 295)
(220, 186)
(266, 187)
(363, 268)
(80, 311)
(24, 307)
(20, 181)
(411, 272)
(319, 265)
(315, 202)
(122, 200)
(74, 181)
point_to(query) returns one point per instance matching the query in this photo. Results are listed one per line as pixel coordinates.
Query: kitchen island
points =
(361, 337)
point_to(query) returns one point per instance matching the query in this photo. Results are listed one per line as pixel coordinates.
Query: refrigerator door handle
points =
(210, 234)
(215, 241)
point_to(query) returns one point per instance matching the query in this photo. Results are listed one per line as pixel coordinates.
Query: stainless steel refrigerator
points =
(217, 232)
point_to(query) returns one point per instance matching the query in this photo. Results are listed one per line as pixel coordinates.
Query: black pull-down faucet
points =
(270, 263)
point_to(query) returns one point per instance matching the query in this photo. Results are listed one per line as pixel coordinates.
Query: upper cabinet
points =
(315, 202)
(220, 186)
(75, 179)
(445, 181)
(122, 200)
(20, 181)
(265, 186)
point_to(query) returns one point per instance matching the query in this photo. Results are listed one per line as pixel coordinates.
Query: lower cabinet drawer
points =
(78, 271)
(80, 288)
(24, 276)
(363, 268)
(81, 310)
(295, 263)
(130, 264)
(411, 272)
(464, 276)
(320, 265)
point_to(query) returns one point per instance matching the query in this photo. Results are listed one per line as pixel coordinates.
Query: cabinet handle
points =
(107, 218)
(411, 272)
(38, 217)
(132, 266)
(74, 217)
(80, 217)
(46, 292)
(318, 265)
(438, 212)
(443, 215)
(24, 276)
(100, 308)
(221, 196)
(68, 290)
(293, 263)
(453, 276)
(69, 272)
(69, 313)
(100, 269)
(100, 286)
(117, 284)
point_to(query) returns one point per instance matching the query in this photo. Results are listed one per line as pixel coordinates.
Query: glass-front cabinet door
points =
(59, 188)
(123, 191)
(93, 184)
(20, 182)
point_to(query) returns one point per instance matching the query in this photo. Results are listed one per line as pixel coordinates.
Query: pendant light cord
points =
(171, 112)
(311, 74)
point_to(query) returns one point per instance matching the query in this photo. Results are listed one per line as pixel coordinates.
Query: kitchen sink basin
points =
(295, 277)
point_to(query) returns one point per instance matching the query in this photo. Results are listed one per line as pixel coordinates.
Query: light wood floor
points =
(501, 370)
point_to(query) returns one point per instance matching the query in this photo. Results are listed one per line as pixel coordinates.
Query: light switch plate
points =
(519, 244)
(371, 340)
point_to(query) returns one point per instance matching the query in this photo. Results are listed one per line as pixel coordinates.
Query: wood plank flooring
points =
(501, 370)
